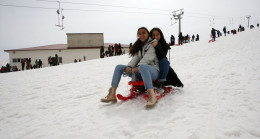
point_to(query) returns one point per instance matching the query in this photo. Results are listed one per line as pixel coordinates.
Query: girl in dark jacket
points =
(167, 75)
(161, 49)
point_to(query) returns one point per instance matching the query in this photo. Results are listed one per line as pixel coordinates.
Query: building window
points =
(16, 60)
(60, 59)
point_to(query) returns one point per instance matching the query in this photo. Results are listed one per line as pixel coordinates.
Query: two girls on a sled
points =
(144, 64)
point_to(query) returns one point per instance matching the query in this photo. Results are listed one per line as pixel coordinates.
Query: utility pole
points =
(248, 17)
(178, 16)
(58, 12)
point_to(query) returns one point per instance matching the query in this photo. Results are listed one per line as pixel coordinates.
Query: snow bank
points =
(220, 98)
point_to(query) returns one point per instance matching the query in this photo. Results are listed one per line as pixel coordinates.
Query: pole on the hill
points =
(178, 16)
(169, 55)
(248, 17)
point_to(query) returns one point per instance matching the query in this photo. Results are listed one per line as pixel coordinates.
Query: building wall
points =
(85, 40)
(68, 55)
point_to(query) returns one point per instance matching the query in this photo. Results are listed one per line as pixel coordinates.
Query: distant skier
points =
(172, 40)
(198, 38)
(180, 38)
(193, 37)
(225, 30)
(213, 33)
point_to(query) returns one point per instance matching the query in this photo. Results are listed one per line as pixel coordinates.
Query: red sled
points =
(211, 41)
(137, 89)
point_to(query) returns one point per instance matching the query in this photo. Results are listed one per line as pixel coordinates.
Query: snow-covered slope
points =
(220, 99)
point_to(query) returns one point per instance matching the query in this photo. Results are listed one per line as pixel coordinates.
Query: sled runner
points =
(138, 89)
(159, 94)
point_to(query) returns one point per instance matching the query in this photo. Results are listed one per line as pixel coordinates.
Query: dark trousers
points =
(164, 68)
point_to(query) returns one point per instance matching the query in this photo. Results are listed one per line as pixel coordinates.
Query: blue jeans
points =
(146, 73)
(164, 68)
(214, 37)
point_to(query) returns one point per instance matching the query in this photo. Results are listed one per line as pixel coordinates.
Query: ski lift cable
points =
(197, 13)
(106, 5)
(47, 8)
(23, 6)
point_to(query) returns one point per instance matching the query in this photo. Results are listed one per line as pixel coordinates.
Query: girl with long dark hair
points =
(167, 75)
(161, 48)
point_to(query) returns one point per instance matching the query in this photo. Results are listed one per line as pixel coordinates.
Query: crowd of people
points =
(216, 33)
(53, 61)
(84, 58)
(8, 68)
(26, 64)
(112, 50)
(184, 39)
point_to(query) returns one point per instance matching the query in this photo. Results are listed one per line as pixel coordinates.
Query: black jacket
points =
(172, 78)
(161, 51)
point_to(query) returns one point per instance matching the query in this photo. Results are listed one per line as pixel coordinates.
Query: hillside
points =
(220, 98)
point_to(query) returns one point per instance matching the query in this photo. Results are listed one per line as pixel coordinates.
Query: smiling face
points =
(156, 35)
(143, 35)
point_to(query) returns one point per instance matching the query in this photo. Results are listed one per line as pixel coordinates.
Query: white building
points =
(79, 45)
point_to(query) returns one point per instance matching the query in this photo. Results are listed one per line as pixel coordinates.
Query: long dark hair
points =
(162, 39)
(135, 48)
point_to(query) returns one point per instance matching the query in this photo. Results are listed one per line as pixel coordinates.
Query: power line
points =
(208, 15)
(199, 15)
(22, 6)
(107, 5)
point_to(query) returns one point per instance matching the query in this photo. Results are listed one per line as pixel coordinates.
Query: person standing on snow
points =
(180, 38)
(197, 39)
(23, 64)
(40, 63)
(120, 49)
(193, 37)
(172, 40)
(213, 33)
(116, 49)
(225, 30)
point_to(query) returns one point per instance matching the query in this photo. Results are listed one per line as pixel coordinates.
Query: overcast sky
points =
(118, 19)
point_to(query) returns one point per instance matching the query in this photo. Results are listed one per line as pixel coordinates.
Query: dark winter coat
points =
(172, 40)
(213, 32)
(180, 36)
(161, 51)
(224, 30)
(172, 78)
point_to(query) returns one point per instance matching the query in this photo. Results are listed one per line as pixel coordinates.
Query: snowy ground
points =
(220, 99)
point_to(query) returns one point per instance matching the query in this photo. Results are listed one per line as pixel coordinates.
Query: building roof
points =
(62, 47)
